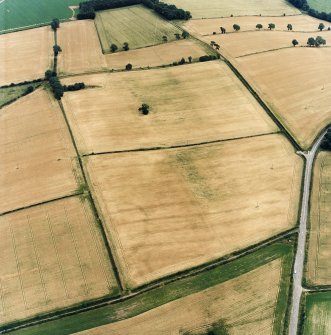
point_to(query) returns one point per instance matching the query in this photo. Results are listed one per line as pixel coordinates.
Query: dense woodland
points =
(302, 4)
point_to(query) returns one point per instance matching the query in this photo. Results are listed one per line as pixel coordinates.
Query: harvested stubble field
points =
(318, 314)
(303, 23)
(319, 252)
(169, 210)
(38, 160)
(52, 256)
(248, 43)
(163, 54)
(81, 51)
(25, 55)
(137, 25)
(219, 8)
(245, 304)
(298, 92)
(189, 104)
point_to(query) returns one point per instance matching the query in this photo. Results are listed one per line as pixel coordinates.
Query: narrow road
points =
(300, 255)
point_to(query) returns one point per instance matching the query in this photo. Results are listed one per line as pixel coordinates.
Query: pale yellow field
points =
(81, 51)
(52, 256)
(25, 55)
(246, 304)
(247, 43)
(189, 104)
(296, 84)
(219, 8)
(318, 269)
(137, 25)
(162, 54)
(37, 157)
(303, 23)
(168, 210)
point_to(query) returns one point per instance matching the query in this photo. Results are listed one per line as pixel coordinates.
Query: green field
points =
(320, 5)
(176, 290)
(12, 93)
(22, 13)
(137, 25)
(318, 314)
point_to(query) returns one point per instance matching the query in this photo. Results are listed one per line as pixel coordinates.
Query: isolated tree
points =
(212, 43)
(190, 59)
(126, 46)
(185, 34)
(217, 46)
(182, 61)
(55, 23)
(321, 26)
(319, 41)
(177, 36)
(128, 67)
(113, 47)
(236, 27)
(295, 42)
(271, 26)
(144, 109)
(165, 38)
(289, 27)
(311, 41)
(259, 26)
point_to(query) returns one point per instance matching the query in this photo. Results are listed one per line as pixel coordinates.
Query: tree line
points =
(303, 4)
(87, 9)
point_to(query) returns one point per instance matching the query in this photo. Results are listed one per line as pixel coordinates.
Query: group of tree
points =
(303, 4)
(87, 9)
(55, 84)
(326, 142)
(55, 24)
(207, 58)
(316, 42)
(183, 61)
(74, 87)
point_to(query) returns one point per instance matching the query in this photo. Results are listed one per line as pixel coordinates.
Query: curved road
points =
(300, 255)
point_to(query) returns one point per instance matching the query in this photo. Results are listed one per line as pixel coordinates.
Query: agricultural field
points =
(22, 13)
(9, 94)
(80, 46)
(300, 23)
(243, 305)
(38, 160)
(320, 5)
(304, 109)
(200, 102)
(169, 210)
(163, 54)
(25, 55)
(254, 42)
(319, 251)
(231, 276)
(216, 8)
(136, 25)
(318, 314)
(52, 256)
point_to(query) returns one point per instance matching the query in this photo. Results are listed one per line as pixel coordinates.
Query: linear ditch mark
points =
(93, 205)
(150, 286)
(41, 203)
(179, 145)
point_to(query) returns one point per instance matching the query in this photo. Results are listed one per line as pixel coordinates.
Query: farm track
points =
(148, 287)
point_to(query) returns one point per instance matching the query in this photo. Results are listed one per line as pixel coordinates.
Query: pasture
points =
(319, 250)
(320, 5)
(80, 45)
(300, 23)
(22, 13)
(163, 54)
(9, 94)
(25, 55)
(136, 25)
(298, 92)
(169, 210)
(318, 314)
(229, 275)
(243, 305)
(218, 8)
(199, 102)
(52, 256)
(38, 160)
